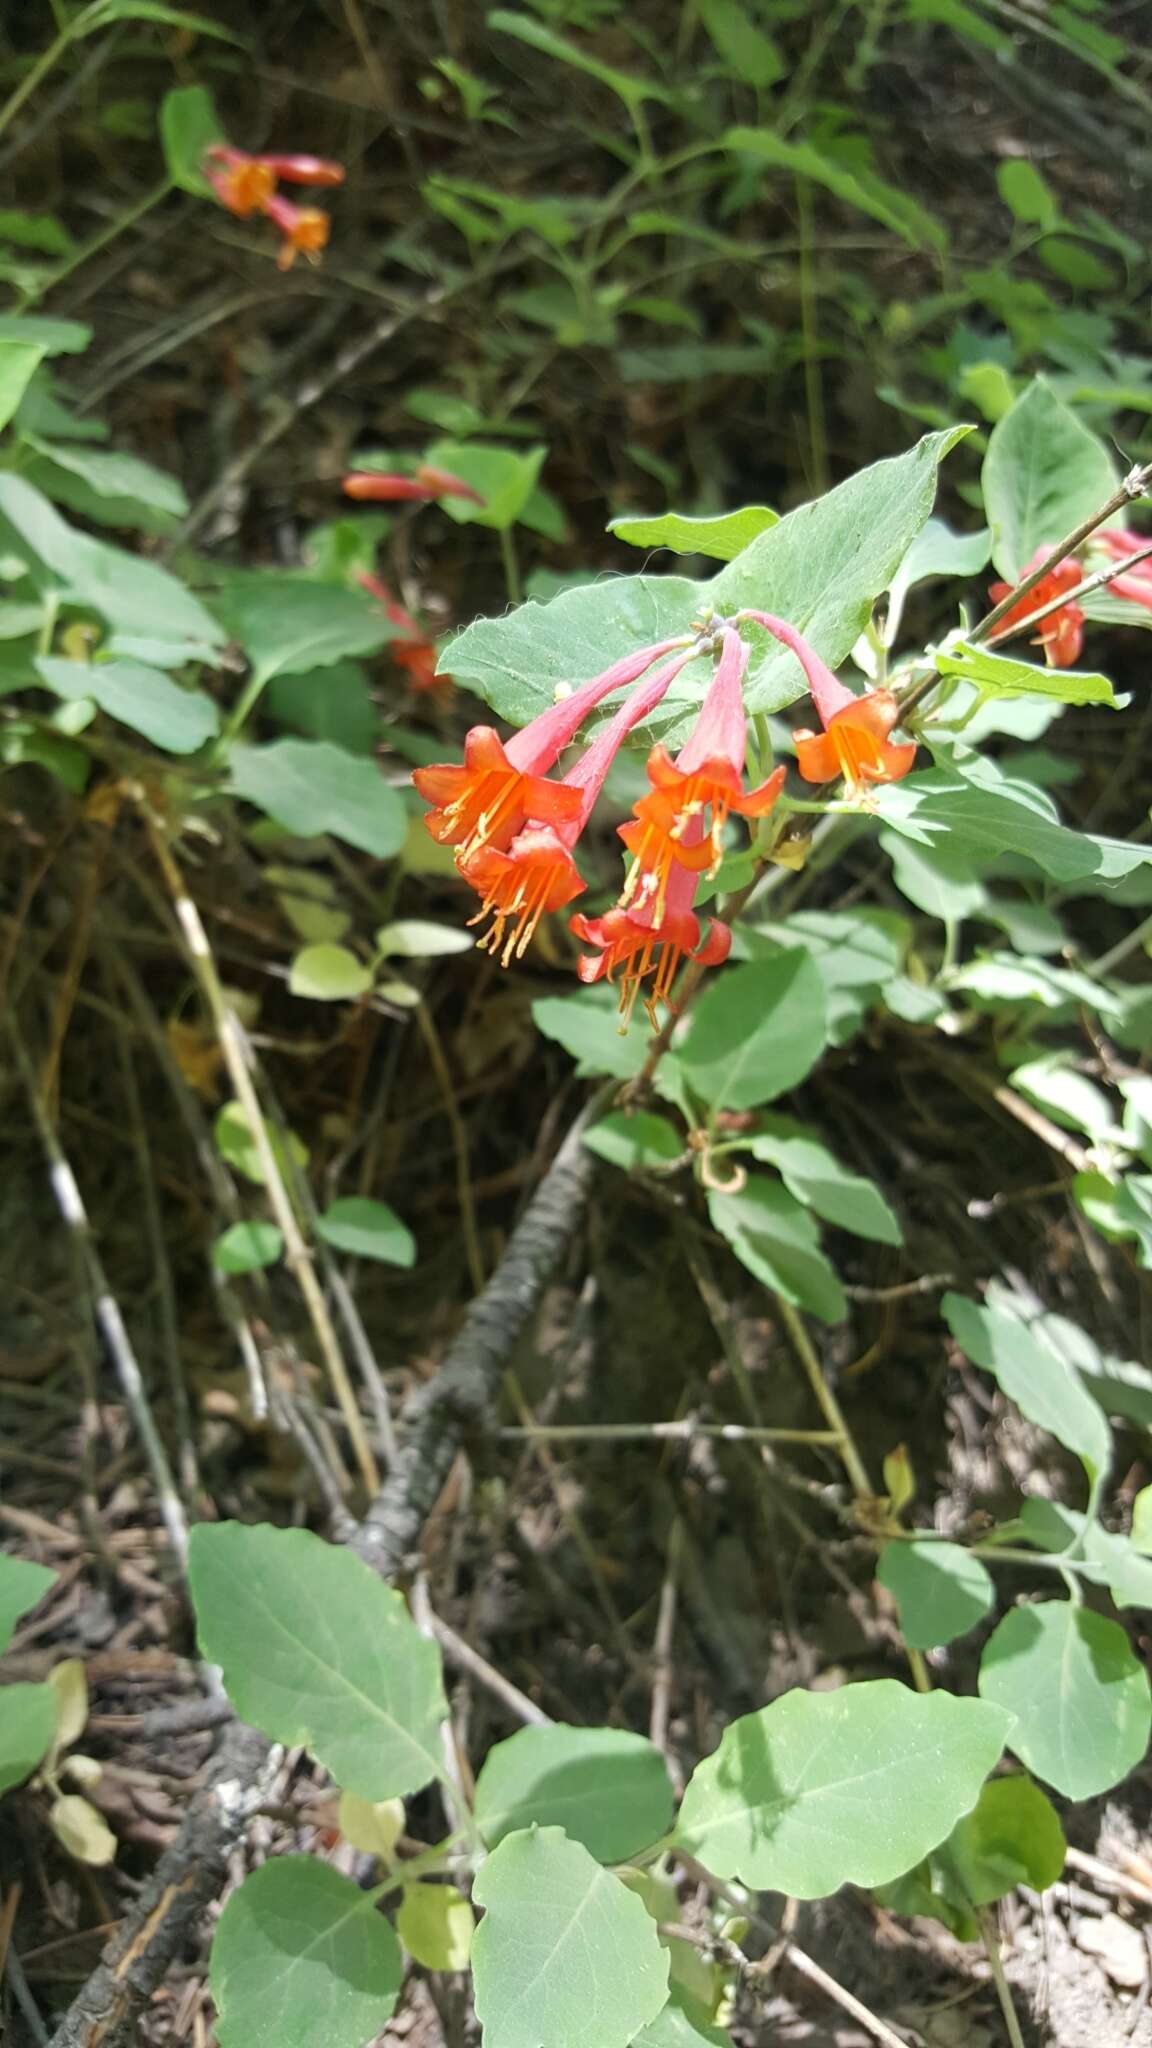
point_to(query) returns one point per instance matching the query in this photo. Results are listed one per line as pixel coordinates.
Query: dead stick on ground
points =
(459, 1401)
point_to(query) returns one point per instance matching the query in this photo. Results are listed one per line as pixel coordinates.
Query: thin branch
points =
(1135, 485)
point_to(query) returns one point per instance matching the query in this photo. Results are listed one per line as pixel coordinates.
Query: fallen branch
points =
(456, 1404)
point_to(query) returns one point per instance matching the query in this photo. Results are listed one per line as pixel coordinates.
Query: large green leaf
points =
(723, 537)
(564, 1954)
(981, 812)
(310, 786)
(146, 699)
(822, 567)
(1046, 1388)
(18, 362)
(301, 1957)
(940, 1589)
(855, 953)
(1044, 472)
(587, 1025)
(135, 596)
(817, 1178)
(290, 624)
(22, 1585)
(852, 1786)
(1080, 1697)
(777, 1240)
(606, 1788)
(27, 1725)
(316, 1650)
(755, 1032)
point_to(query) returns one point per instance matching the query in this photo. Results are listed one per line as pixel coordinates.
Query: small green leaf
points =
(504, 479)
(1025, 193)
(416, 938)
(436, 1924)
(309, 902)
(755, 1032)
(237, 1146)
(1113, 1561)
(310, 787)
(301, 1956)
(178, 720)
(1045, 1388)
(84, 1832)
(722, 537)
(564, 1954)
(747, 51)
(328, 974)
(865, 192)
(246, 1247)
(633, 91)
(676, 2027)
(852, 1786)
(777, 1240)
(189, 125)
(18, 362)
(367, 1229)
(998, 675)
(317, 1651)
(1080, 1697)
(607, 1788)
(22, 1585)
(1012, 1836)
(90, 19)
(587, 1025)
(940, 1589)
(1044, 472)
(635, 1140)
(118, 489)
(27, 1726)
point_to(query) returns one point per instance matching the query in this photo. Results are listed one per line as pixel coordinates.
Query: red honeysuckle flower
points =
(415, 651)
(243, 183)
(707, 775)
(486, 800)
(305, 170)
(305, 229)
(1120, 542)
(537, 872)
(634, 942)
(1061, 634)
(854, 743)
(389, 487)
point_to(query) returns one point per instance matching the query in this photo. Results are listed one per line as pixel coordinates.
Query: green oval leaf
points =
(302, 1956)
(722, 537)
(824, 1789)
(310, 786)
(22, 1585)
(436, 1924)
(755, 1032)
(940, 1590)
(607, 1788)
(1045, 1387)
(328, 974)
(316, 1650)
(635, 1140)
(367, 1230)
(1080, 1698)
(1044, 472)
(27, 1726)
(146, 699)
(777, 1240)
(189, 125)
(246, 1247)
(564, 1953)
(1012, 1836)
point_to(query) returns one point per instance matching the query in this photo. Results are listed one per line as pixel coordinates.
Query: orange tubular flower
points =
(1061, 634)
(485, 802)
(705, 777)
(634, 943)
(305, 229)
(537, 872)
(305, 170)
(242, 183)
(388, 487)
(854, 743)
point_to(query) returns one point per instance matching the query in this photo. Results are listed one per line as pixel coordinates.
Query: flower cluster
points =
(247, 184)
(515, 828)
